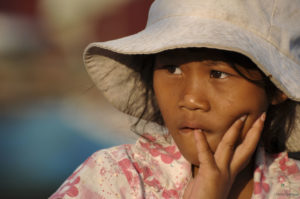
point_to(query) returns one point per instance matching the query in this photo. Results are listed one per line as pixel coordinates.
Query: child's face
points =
(197, 90)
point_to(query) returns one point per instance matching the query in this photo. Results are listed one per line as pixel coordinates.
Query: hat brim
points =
(107, 62)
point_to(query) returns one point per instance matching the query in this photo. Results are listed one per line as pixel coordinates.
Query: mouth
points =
(190, 127)
(186, 130)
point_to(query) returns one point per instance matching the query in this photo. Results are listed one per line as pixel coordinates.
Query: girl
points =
(214, 85)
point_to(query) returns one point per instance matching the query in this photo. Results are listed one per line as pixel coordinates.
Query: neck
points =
(242, 187)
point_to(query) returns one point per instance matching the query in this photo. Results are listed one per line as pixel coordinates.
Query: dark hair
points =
(280, 119)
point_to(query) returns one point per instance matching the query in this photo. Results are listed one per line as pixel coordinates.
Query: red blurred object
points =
(26, 8)
(126, 20)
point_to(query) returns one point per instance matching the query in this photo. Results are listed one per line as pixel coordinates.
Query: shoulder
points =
(276, 175)
(153, 166)
(100, 176)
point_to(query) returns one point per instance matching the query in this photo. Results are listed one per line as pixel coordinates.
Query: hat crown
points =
(275, 21)
(236, 11)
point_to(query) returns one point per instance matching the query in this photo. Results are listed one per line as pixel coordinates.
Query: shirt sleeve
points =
(103, 175)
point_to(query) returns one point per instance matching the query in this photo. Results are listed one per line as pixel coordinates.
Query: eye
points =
(218, 74)
(173, 69)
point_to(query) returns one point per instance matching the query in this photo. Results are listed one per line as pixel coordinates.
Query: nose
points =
(195, 95)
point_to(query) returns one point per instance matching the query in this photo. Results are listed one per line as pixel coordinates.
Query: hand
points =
(217, 172)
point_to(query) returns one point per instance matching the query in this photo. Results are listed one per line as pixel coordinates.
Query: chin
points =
(192, 159)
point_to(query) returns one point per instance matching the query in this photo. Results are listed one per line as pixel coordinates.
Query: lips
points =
(186, 130)
(188, 127)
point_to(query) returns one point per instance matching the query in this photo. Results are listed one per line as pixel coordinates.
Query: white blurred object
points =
(18, 34)
(70, 21)
(67, 12)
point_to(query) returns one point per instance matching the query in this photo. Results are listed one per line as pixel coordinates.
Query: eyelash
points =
(172, 69)
(213, 73)
(218, 73)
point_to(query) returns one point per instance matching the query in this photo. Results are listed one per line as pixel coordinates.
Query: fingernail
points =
(197, 130)
(263, 116)
(243, 118)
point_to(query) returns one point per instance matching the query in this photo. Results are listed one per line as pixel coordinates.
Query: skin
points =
(215, 117)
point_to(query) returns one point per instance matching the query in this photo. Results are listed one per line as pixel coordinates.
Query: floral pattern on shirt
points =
(153, 168)
(276, 176)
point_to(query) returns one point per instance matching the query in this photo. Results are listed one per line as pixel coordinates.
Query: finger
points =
(244, 151)
(226, 147)
(205, 156)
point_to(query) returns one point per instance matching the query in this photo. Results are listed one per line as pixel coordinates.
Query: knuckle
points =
(228, 145)
(215, 173)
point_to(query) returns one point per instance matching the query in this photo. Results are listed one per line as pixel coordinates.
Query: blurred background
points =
(52, 117)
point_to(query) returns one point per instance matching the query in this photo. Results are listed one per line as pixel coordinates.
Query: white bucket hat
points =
(266, 31)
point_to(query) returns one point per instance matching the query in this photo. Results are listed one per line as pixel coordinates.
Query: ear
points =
(279, 98)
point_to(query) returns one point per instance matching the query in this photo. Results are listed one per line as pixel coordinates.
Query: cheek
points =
(253, 105)
(247, 99)
(166, 95)
(159, 90)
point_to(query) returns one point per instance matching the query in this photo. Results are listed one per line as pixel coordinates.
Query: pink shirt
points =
(154, 168)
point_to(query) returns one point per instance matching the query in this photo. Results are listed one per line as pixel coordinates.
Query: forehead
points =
(204, 54)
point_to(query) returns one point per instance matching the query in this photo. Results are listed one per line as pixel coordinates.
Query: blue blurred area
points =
(39, 150)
